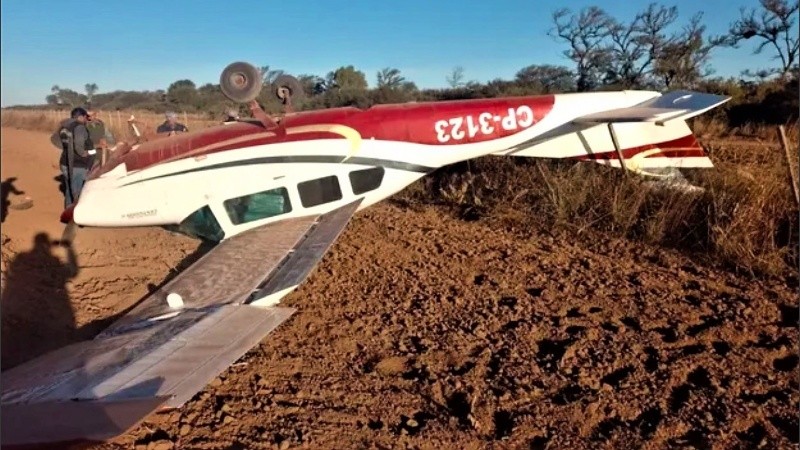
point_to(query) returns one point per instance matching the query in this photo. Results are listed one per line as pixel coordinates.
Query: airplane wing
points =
(670, 106)
(157, 355)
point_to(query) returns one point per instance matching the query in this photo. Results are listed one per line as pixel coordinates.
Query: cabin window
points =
(319, 191)
(366, 180)
(201, 224)
(260, 205)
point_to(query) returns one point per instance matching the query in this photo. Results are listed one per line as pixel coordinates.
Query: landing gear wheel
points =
(240, 82)
(288, 88)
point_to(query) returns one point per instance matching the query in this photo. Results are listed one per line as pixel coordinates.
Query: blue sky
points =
(146, 45)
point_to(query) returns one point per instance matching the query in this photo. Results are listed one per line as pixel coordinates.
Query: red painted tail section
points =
(643, 145)
(683, 147)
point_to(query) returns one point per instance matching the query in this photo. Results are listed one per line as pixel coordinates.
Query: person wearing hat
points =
(231, 116)
(171, 126)
(77, 155)
(101, 136)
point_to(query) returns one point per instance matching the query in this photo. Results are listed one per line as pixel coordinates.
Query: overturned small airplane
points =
(274, 193)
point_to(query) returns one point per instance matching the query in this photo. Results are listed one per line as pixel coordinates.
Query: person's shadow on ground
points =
(37, 317)
(37, 314)
(35, 307)
(7, 188)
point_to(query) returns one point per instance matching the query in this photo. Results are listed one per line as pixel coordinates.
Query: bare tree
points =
(91, 89)
(546, 79)
(456, 77)
(269, 76)
(683, 60)
(643, 53)
(390, 78)
(56, 90)
(635, 47)
(393, 88)
(585, 33)
(774, 25)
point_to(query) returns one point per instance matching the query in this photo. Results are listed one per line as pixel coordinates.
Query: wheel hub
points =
(239, 80)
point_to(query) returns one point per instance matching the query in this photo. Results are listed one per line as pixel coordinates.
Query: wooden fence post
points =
(792, 174)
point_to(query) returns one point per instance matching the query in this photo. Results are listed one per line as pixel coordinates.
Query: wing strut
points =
(617, 148)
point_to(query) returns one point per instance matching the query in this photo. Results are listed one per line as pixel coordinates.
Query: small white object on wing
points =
(174, 301)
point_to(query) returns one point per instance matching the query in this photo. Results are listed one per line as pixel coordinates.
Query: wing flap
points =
(302, 260)
(227, 274)
(669, 106)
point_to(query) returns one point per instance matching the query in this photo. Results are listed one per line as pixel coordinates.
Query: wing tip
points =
(78, 422)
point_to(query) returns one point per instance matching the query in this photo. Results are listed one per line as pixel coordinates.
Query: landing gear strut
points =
(288, 87)
(242, 82)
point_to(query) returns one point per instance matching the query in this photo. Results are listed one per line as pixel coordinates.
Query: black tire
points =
(240, 82)
(288, 83)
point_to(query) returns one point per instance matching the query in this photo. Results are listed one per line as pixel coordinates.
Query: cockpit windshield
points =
(201, 224)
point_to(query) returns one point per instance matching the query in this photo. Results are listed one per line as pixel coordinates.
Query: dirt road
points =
(421, 331)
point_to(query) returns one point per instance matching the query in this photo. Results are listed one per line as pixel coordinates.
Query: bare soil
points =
(419, 330)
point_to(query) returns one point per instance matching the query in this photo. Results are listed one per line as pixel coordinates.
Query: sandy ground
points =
(418, 330)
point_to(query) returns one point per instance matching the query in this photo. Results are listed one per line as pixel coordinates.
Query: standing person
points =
(97, 129)
(77, 155)
(171, 126)
(231, 116)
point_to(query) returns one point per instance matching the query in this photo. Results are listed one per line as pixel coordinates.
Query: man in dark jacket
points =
(171, 126)
(77, 155)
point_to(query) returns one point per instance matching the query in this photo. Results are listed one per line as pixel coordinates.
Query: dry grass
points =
(116, 121)
(746, 218)
(753, 217)
(710, 127)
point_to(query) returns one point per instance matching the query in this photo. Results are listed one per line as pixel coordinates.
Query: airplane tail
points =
(650, 139)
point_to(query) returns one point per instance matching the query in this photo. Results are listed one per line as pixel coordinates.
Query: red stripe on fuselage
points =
(164, 149)
(458, 121)
(432, 123)
(686, 146)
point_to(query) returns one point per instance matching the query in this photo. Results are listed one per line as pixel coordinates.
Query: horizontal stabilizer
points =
(670, 106)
